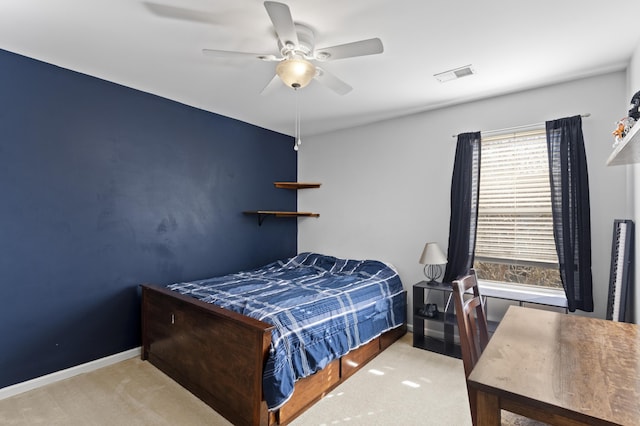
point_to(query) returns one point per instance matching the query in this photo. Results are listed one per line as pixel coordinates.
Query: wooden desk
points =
(560, 369)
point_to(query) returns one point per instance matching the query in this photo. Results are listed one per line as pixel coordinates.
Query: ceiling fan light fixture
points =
(296, 72)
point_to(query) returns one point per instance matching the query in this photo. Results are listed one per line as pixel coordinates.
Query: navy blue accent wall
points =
(102, 188)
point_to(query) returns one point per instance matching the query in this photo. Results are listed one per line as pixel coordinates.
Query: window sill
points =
(523, 294)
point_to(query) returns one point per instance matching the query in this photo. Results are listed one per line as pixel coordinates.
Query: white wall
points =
(634, 178)
(386, 186)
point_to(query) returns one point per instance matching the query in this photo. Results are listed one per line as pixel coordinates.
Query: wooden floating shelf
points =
(263, 214)
(278, 213)
(296, 185)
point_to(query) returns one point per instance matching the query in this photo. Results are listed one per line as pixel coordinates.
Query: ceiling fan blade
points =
(282, 22)
(228, 54)
(332, 82)
(272, 85)
(371, 46)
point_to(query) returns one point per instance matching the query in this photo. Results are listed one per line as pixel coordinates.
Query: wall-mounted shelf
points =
(296, 185)
(628, 150)
(263, 214)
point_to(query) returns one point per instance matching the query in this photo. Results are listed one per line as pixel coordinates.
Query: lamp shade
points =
(432, 255)
(296, 72)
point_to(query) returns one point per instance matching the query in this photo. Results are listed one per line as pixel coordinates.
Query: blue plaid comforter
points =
(321, 306)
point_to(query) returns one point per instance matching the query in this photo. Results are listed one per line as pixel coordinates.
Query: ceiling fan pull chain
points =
(297, 137)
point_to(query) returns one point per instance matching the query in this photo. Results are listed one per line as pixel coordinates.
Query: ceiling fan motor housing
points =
(305, 46)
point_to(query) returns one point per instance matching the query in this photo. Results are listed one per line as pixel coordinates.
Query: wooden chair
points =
(472, 327)
(474, 336)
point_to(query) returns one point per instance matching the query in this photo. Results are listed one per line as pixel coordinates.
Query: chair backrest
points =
(472, 321)
(472, 327)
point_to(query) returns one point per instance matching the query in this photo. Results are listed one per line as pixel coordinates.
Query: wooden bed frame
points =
(218, 355)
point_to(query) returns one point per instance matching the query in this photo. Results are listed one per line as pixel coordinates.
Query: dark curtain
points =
(465, 187)
(571, 213)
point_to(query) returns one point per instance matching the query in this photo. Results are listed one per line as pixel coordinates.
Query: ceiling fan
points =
(296, 44)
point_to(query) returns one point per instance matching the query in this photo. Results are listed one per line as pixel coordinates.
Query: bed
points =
(261, 346)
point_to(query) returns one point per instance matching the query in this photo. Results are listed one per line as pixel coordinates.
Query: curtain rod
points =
(508, 129)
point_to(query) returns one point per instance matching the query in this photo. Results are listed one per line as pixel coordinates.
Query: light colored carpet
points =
(403, 385)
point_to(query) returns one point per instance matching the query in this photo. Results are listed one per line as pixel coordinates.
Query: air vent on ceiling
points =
(454, 73)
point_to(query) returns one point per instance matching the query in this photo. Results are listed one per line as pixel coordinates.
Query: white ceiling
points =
(155, 46)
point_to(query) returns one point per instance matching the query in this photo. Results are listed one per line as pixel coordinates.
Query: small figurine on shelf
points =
(622, 128)
(625, 124)
(634, 109)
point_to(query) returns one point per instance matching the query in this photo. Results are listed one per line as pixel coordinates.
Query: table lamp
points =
(432, 258)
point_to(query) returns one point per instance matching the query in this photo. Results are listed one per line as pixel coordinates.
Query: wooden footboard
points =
(216, 354)
(219, 356)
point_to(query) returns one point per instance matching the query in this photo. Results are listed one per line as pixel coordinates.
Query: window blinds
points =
(515, 223)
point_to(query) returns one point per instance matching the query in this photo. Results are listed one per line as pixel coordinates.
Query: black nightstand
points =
(439, 293)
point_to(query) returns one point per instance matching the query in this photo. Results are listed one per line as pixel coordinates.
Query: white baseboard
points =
(19, 388)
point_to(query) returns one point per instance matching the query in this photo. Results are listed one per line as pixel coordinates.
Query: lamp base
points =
(432, 272)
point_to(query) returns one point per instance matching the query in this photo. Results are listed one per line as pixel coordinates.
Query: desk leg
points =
(488, 409)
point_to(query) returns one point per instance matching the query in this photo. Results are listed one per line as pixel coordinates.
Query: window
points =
(514, 241)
